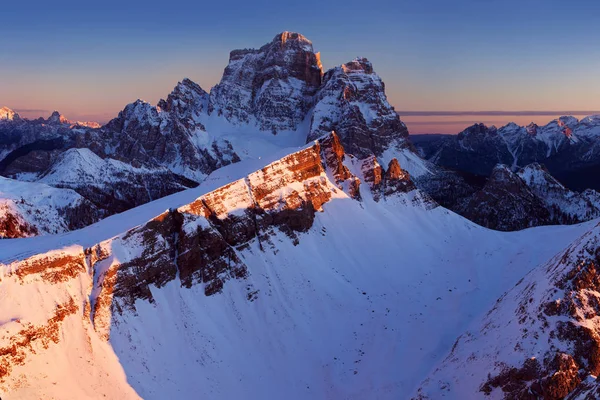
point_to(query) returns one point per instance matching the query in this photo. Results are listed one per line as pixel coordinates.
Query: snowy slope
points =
(566, 206)
(28, 209)
(540, 339)
(296, 304)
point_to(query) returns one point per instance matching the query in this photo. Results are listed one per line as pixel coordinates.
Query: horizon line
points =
(493, 113)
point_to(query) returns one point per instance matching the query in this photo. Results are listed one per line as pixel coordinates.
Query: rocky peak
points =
(533, 172)
(273, 85)
(532, 129)
(352, 102)
(185, 102)
(505, 203)
(358, 65)
(502, 174)
(292, 40)
(136, 116)
(57, 118)
(6, 114)
(397, 180)
(476, 130)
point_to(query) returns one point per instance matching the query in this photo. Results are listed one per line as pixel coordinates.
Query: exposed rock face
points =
(589, 389)
(372, 173)
(568, 147)
(540, 341)
(352, 103)
(197, 243)
(13, 225)
(565, 206)
(273, 86)
(334, 155)
(185, 103)
(33, 337)
(505, 203)
(145, 135)
(511, 201)
(396, 180)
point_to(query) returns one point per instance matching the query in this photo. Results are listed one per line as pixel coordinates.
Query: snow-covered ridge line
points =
(56, 118)
(200, 243)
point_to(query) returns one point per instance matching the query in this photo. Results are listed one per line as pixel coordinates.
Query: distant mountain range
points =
(282, 236)
(568, 147)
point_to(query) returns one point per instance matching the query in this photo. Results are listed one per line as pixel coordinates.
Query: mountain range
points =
(283, 236)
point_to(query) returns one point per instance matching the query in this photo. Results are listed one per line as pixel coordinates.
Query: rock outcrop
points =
(272, 86)
(352, 102)
(540, 341)
(511, 201)
(505, 203)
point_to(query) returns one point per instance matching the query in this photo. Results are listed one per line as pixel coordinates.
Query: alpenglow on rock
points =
(272, 86)
(353, 103)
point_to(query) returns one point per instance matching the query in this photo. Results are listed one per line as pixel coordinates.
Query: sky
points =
(446, 64)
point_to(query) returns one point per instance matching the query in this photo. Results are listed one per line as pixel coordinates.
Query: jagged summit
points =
(187, 101)
(57, 118)
(352, 102)
(358, 64)
(287, 36)
(8, 114)
(272, 87)
(269, 98)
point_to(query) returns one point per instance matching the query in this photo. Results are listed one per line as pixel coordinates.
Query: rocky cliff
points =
(540, 340)
(352, 102)
(272, 87)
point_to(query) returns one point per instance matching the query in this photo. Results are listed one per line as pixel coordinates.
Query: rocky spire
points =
(57, 118)
(185, 102)
(352, 102)
(272, 86)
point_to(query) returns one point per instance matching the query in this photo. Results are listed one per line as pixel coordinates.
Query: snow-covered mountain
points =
(540, 340)
(29, 209)
(112, 186)
(565, 206)
(280, 237)
(271, 88)
(317, 275)
(508, 200)
(269, 99)
(352, 102)
(568, 147)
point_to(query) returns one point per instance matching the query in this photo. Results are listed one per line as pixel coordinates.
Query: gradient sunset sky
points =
(89, 60)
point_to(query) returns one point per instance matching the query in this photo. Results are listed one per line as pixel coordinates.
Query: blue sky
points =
(89, 60)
